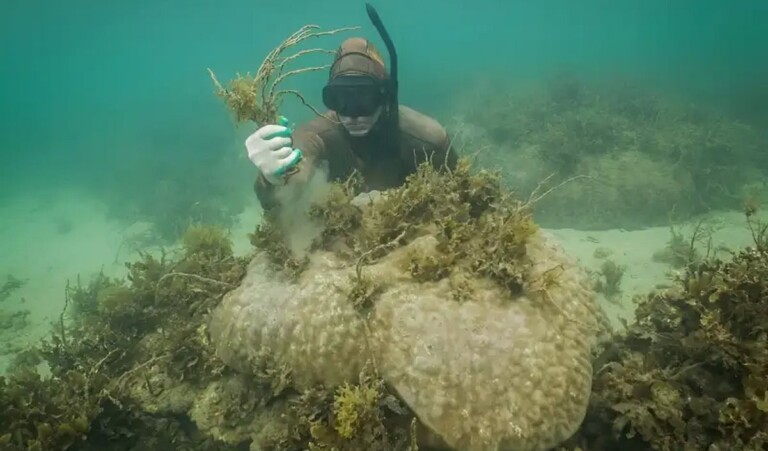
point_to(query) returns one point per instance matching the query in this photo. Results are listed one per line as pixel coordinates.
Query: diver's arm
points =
(265, 193)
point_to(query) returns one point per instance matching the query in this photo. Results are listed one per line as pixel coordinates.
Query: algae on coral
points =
(527, 316)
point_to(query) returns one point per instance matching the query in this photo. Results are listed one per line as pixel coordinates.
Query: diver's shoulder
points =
(422, 127)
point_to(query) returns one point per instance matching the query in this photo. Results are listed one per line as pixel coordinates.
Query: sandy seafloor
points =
(50, 239)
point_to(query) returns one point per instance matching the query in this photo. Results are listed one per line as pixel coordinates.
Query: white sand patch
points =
(635, 249)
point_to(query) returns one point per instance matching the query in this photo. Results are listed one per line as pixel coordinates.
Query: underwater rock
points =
(484, 363)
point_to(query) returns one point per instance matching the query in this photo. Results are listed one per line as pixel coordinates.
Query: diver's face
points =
(358, 100)
(360, 125)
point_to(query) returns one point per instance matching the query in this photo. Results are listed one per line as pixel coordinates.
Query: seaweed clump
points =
(683, 250)
(270, 237)
(119, 347)
(39, 416)
(258, 98)
(354, 416)
(608, 280)
(364, 415)
(690, 373)
(478, 228)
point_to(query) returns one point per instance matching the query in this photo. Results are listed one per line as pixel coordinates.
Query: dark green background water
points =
(99, 93)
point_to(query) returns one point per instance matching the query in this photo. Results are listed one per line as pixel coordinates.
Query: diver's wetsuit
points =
(380, 164)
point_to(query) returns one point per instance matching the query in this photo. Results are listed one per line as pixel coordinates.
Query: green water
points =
(113, 96)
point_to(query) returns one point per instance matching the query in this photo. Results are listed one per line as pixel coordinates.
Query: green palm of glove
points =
(297, 157)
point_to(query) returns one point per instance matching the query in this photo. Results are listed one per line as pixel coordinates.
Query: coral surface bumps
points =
(495, 372)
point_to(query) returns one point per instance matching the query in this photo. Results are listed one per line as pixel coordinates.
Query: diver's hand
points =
(269, 148)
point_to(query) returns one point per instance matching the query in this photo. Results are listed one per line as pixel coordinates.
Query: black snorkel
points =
(393, 102)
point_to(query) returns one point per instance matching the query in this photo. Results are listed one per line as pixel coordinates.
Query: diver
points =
(365, 130)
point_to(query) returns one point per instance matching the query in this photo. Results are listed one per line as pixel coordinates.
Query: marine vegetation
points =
(405, 280)
(110, 347)
(608, 279)
(401, 215)
(682, 249)
(642, 154)
(258, 98)
(141, 363)
(129, 365)
(690, 372)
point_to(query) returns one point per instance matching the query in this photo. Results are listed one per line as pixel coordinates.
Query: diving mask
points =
(354, 95)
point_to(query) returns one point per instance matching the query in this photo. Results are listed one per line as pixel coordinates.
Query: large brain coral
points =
(477, 320)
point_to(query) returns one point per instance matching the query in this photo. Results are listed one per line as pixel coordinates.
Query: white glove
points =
(269, 148)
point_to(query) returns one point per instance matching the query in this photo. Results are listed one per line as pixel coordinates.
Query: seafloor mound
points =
(447, 288)
(639, 157)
